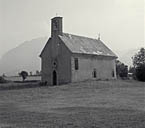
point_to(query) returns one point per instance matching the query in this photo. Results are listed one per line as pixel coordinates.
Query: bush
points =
(121, 70)
(2, 80)
(23, 74)
(140, 73)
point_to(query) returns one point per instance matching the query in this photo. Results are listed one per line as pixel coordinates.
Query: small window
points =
(94, 73)
(55, 25)
(112, 73)
(54, 64)
(76, 63)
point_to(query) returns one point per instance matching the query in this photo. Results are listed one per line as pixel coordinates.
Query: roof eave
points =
(44, 48)
(115, 57)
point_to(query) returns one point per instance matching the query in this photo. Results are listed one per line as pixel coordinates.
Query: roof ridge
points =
(82, 36)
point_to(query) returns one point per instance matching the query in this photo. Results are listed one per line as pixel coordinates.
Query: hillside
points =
(23, 57)
(125, 56)
(90, 104)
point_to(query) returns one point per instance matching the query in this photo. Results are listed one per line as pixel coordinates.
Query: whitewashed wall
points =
(87, 63)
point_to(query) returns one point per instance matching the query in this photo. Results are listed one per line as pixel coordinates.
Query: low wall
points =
(18, 78)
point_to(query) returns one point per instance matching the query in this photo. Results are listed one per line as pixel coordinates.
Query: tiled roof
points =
(84, 45)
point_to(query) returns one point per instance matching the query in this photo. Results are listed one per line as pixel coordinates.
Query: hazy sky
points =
(120, 22)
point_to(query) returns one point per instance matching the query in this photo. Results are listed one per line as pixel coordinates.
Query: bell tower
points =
(56, 26)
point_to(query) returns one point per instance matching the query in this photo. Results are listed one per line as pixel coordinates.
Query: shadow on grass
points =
(21, 85)
(78, 117)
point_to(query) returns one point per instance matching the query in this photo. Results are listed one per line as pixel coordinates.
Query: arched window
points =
(76, 63)
(113, 74)
(94, 73)
(54, 78)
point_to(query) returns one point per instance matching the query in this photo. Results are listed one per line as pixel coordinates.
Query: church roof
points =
(85, 45)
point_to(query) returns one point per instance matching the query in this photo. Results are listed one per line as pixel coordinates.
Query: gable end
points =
(41, 54)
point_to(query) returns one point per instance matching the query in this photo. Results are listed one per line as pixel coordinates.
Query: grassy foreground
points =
(91, 104)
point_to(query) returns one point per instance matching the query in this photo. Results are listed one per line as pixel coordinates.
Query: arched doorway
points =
(54, 78)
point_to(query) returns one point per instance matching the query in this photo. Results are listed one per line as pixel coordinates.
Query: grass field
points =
(91, 104)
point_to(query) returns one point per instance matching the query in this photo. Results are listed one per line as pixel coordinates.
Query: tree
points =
(139, 64)
(30, 73)
(121, 69)
(139, 58)
(19, 74)
(3, 75)
(132, 72)
(140, 73)
(24, 75)
(131, 69)
(37, 73)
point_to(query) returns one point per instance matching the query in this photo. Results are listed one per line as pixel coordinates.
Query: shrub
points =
(2, 80)
(24, 75)
(121, 70)
(140, 73)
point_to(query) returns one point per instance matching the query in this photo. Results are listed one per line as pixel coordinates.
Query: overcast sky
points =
(120, 22)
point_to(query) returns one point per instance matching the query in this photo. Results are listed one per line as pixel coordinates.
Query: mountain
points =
(24, 57)
(125, 56)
